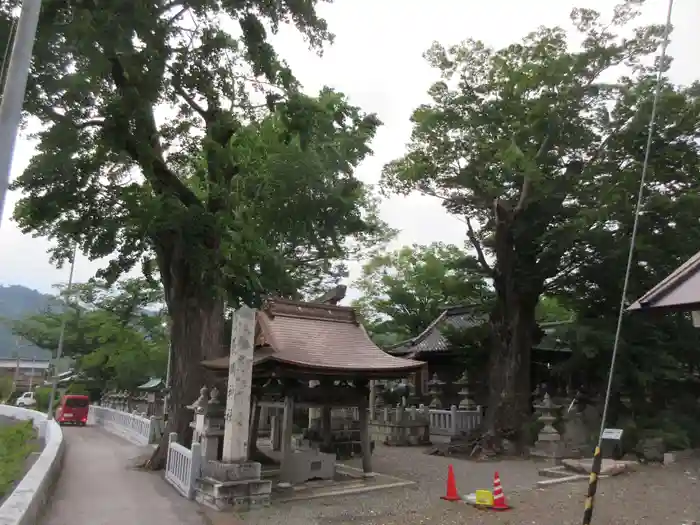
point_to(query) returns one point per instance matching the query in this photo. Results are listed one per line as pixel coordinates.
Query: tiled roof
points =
(432, 339)
(152, 383)
(552, 338)
(317, 336)
(680, 290)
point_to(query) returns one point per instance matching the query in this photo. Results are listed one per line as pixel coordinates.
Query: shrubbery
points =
(16, 443)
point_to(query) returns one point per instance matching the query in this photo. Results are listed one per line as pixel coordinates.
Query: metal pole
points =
(31, 375)
(167, 382)
(14, 90)
(61, 337)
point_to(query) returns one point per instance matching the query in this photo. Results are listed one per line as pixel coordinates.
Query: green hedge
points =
(16, 443)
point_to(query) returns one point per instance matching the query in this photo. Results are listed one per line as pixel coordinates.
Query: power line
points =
(597, 456)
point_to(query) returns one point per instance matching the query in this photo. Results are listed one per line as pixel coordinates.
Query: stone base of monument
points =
(232, 486)
(549, 451)
(305, 465)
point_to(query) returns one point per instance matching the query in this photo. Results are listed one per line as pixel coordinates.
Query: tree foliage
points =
(524, 143)
(174, 137)
(405, 290)
(117, 336)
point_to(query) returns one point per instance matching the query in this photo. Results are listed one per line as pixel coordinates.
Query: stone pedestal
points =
(238, 486)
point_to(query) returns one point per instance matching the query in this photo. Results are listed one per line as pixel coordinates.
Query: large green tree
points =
(405, 290)
(518, 142)
(173, 136)
(116, 335)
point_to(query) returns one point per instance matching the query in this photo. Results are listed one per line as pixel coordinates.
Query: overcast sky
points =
(377, 61)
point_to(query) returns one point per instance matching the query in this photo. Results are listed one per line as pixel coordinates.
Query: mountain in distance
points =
(18, 302)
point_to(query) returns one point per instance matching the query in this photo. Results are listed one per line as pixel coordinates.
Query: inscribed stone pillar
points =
(240, 374)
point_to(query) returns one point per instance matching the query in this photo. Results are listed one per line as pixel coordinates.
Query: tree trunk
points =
(509, 367)
(513, 324)
(197, 315)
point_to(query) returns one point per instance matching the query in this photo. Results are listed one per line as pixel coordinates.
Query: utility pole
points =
(31, 375)
(62, 335)
(14, 90)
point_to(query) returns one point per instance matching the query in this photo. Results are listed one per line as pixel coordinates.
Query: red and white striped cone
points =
(499, 499)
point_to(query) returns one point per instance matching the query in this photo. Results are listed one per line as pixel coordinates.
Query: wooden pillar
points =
(253, 429)
(326, 428)
(276, 430)
(288, 421)
(372, 398)
(363, 405)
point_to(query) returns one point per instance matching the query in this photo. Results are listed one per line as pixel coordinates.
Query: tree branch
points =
(165, 180)
(480, 256)
(526, 190)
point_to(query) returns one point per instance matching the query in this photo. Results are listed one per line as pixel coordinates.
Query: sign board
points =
(614, 434)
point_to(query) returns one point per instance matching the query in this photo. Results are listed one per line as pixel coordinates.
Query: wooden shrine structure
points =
(316, 356)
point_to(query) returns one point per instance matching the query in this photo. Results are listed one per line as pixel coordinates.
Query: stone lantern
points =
(466, 402)
(435, 386)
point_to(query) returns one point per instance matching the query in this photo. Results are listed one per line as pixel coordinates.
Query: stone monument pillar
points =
(234, 482)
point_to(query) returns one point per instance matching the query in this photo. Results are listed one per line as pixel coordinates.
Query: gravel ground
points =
(653, 495)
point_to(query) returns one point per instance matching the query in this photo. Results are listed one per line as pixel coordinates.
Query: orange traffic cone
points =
(499, 499)
(451, 486)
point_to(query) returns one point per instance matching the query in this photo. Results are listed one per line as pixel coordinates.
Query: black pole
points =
(592, 486)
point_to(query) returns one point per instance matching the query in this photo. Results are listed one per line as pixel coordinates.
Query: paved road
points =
(97, 487)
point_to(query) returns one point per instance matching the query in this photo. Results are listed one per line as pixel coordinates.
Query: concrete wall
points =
(25, 504)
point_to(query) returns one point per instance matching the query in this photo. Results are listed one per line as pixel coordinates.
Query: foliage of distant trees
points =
(116, 335)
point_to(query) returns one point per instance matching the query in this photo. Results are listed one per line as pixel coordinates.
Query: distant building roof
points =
(27, 364)
(154, 383)
(679, 291)
(319, 337)
(552, 340)
(432, 338)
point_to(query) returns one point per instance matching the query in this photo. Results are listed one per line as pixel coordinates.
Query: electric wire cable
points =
(597, 458)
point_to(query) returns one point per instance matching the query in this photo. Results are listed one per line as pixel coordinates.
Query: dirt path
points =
(96, 487)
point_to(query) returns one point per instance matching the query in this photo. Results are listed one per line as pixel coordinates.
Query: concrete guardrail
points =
(25, 503)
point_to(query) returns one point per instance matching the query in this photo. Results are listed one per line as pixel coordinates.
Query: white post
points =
(240, 380)
(195, 469)
(14, 90)
(172, 438)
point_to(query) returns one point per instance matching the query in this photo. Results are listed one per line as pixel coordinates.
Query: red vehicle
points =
(73, 409)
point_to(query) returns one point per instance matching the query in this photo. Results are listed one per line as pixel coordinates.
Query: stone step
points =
(554, 472)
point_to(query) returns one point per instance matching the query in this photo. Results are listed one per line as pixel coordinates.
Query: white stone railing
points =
(139, 430)
(453, 422)
(25, 503)
(183, 466)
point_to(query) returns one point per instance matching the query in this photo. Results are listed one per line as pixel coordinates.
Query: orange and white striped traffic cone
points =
(499, 499)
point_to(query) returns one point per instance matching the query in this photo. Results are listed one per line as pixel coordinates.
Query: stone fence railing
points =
(183, 466)
(138, 429)
(449, 423)
(26, 502)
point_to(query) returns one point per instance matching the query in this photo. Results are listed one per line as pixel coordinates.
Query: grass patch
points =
(17, 441)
